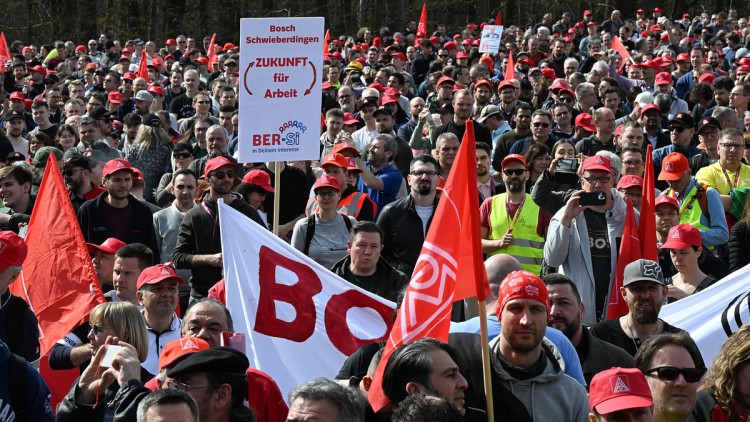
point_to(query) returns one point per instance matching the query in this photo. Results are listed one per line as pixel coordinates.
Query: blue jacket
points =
(38, 397)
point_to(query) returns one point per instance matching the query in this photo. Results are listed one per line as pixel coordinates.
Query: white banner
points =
(281, 72)
(492, 36)
(712, 315)
(301, 321)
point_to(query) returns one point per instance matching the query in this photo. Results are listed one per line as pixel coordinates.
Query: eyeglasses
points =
(631, 194)
(201, 129)
(203, 102)
(181, 155)
(631, 163)
(540, 124)
(731, 146)
(566, 100)
(97, 329)
(71, 172)
(36, 142)
(670, 373)
(677, 129)
(326, 193)
(220, 174)
(442, 55)
(187, 387)
(420, 173)
(511, 172)
(592, 180)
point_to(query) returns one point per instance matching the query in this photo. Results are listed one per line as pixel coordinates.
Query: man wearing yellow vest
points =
(700, 205)
(353, 202)
(511, 222)
(728, 173)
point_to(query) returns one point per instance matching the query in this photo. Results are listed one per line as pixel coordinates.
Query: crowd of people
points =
(564, 115)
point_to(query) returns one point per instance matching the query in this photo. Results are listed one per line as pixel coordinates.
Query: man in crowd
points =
(643, 289)
(15, 190)
(325, 400)
(77, 175)
(103, 260)
(462, 102)
(620, 394)
(379, 179)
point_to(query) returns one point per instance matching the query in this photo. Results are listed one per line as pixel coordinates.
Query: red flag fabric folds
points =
(629, 252)
(422, 28)
(510, 70)
(648, 216)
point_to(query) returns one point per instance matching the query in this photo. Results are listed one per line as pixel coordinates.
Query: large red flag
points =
(618, 46)
(211, 53)
(648, 217)
(629, 252)
(510, 69)
(4, 50)
(326, 42)
(142, 71)
(58, 277)
(422, 28)
(499, 17)
(451, 247)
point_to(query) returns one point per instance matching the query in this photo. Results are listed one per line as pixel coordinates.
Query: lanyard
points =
(512, 221)
(736, 176)
(686, 205)
(210, 214)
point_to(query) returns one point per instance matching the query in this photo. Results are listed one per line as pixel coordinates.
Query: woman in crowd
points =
(724, 391)
(108, 320)
(37, 140)
(685, 247)
(538, 159)
(323, 235)
(150, 153)
(255, 186)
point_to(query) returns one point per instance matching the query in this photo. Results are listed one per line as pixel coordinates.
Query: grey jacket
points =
(568, 250)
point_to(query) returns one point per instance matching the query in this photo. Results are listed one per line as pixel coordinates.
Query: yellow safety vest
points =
(528, 246)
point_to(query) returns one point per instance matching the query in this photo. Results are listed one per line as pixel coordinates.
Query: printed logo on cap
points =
(599, 160)
(119, 164)
(165, 271)
(676, 234)
(619, 385)
(532, 290)
(670, 167)
(188, 343)
(652, 270)
(2, 246)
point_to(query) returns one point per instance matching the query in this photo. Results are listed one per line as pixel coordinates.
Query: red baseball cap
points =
(17, 95)
(558, 84)
(522, 285)
(462, 55)
(483, 82)
(170, 41)
(658, 10)
(629, 181)
(682, 57)
(505, 84)
(445, 79)
(663, 78)
(157, 274)
(587, 13)
(110, 246)
(683, 236)
(12, 250)
(115, 165)
(176, 350)
(673, 166)
(586, 121)
(707, 78)
(156, 90)
(591, 23)
(81, 48)
(548, 72)
(39, 69)
(260, 178)
(128, 76)
(596, 162)
(326, 182)
(216, 163)
(619, 389)
(664, 199)
(114, 97)
(649, 107)
(513, 157)
(335, 159)
(349, 120)
(352, 166)
(344, 148)
(399, 54)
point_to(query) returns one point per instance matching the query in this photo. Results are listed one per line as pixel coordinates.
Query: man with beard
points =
(116, 213)
(405, 222)
(511, 222)
(643, 289)
(77, 176)
(557, 59)
(217, 142)
(199, 241)
(158, 293)
(651, 122)
(445, 151)
(379, 179)
(462, 102)
(522, 120)
(346, 99)
(384, 124)
(482, 96)
(566, 313)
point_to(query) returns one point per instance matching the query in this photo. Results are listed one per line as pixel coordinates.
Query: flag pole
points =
(276, 195)
(486, 360)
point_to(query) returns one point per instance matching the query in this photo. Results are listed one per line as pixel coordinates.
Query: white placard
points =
(492, 36)
(281, 71)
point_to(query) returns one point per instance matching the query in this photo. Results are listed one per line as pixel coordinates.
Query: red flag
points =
(510, 70)
(618, 46)
(422, 28)
(142, 71)
(4, 50)
(648, 217)
(629, 252)
(212, 59)
(58, 277)
(499, 17)
(326, 42)
(435, 283)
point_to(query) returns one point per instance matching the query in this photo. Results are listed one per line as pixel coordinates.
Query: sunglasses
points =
(678, 129)
(71, 172)
(670, 373)
(181, 155)
(540, 124)
(97, 329)
(511, 172)
(203, 102)
(566, 100)
(221, 174)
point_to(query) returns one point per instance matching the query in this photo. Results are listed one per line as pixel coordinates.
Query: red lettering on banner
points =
(298, 295)
(266, 139)
(337, 327)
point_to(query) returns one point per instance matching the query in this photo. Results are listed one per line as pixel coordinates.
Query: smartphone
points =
(109, 355)
(592, 198)
(567, 165)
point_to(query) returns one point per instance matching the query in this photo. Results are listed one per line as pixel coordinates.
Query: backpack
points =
(311, 230)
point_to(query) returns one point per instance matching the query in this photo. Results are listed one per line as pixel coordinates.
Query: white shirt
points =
(156, 343)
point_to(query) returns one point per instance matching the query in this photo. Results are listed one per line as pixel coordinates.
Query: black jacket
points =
(403, 233)
(96, 229)
(200, 235)
(390, 280)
